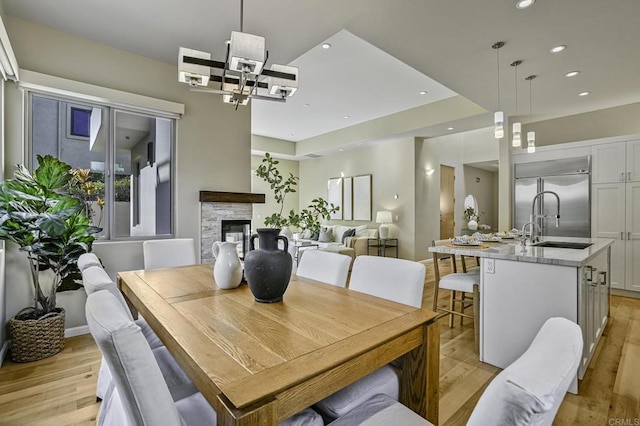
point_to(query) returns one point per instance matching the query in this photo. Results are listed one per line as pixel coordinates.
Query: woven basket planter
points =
(32, 340)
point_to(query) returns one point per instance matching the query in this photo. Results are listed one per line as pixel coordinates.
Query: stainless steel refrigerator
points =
(571, 180)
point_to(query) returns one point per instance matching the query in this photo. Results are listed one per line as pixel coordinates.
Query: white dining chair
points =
(88, 259)
(393, 279)
(531, 389)
(140, 394)
(96, 279)
(527, 392)
(169, 253)
(325, 266)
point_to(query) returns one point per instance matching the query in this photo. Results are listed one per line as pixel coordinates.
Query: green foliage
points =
(471, 214)
(39, 214)
(308, 218)
(268, 172)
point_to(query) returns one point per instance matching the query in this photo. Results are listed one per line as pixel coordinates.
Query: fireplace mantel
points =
(231, 197)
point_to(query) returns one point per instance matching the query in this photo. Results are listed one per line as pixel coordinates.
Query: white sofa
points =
(353, 246)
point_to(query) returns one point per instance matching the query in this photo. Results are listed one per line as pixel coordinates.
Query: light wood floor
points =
(61, 390)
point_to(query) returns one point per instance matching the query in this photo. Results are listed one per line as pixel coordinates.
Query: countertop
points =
(512, 250)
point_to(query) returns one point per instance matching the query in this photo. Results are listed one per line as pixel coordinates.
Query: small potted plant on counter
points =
(46, 222)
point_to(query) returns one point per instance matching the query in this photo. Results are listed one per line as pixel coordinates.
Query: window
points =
(79, 122)
(128, 157)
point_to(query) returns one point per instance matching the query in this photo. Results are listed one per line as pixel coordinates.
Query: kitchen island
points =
(522, 286)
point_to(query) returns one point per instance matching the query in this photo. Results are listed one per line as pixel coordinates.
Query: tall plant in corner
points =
(47, 223)
(308, 218)
(268, 172)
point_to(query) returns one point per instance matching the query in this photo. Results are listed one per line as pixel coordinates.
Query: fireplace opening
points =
(238, 231)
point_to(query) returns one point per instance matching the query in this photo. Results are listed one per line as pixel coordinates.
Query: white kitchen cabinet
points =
(616, 162)
(615, 214)
(608, 221)
(516, 298)
(633, 236)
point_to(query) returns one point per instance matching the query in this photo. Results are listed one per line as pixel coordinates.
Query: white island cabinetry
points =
(521, 287)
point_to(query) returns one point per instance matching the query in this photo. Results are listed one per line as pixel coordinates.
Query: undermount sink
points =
(563, 244)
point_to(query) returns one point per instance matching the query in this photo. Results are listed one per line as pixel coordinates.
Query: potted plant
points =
(268, 269)
(46, 222)
(472, 217)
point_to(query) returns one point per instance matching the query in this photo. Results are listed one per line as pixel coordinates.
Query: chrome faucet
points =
(535, 237)
(534, 225)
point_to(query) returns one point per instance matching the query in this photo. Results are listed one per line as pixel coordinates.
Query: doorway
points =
(447, 201)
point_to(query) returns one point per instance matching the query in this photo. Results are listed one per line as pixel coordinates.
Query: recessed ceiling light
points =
(523, 4)
(449, 128)
(346, 116)
(326, 45)
(290, 134)
(307, 105)
(583, 93)
(424, 92)
(558, 49)
(341, 149)
(572, 73)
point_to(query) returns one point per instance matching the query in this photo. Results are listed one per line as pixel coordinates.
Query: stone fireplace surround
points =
(218, 206)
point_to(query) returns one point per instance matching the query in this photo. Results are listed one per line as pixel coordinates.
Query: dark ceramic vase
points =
(268, 269)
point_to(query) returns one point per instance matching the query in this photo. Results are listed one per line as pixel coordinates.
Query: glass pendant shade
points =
(516, 141)
(531, 142)
(498, 130)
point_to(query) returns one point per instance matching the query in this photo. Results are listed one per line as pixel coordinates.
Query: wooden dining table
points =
(259, 363)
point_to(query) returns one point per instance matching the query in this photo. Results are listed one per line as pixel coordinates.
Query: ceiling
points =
(448, 41)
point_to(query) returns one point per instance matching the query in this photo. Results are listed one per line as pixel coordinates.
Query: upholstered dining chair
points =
(325, 266)
(529, 391)
(94, 279)
(460, 284)
(88, 259)
(393, 279)
(169, 253)
(140, 394)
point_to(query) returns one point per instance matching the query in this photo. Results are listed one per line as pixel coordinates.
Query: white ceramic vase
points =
(473, 225)
(227, 270)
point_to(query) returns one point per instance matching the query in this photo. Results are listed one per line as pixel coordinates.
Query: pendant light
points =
(531, 136)
(516, 140)
(498, 117)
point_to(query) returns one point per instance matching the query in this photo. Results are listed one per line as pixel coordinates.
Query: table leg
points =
(421, 375)
(228, 415)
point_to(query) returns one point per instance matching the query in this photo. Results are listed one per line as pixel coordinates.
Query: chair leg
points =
(452, 307)
(476, 317)
(462, 293)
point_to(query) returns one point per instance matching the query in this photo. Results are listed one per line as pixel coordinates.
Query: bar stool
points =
(464, 283)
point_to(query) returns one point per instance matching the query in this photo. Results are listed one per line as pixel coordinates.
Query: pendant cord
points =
(516, 69)
(498, 69)
(241, 16)
(530, 99)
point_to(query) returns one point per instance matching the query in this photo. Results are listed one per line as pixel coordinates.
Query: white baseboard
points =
(69, 332)
(625, 293)
(76, 331)
(3, 352)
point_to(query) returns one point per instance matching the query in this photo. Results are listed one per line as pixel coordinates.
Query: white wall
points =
(391, 167)
(482, 184)
(212, 147)
(454, 151)
(259, 186)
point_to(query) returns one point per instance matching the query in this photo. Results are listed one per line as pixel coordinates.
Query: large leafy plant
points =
(47, 223)
(308, 218)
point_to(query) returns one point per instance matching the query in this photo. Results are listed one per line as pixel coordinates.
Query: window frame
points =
(81, 102)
